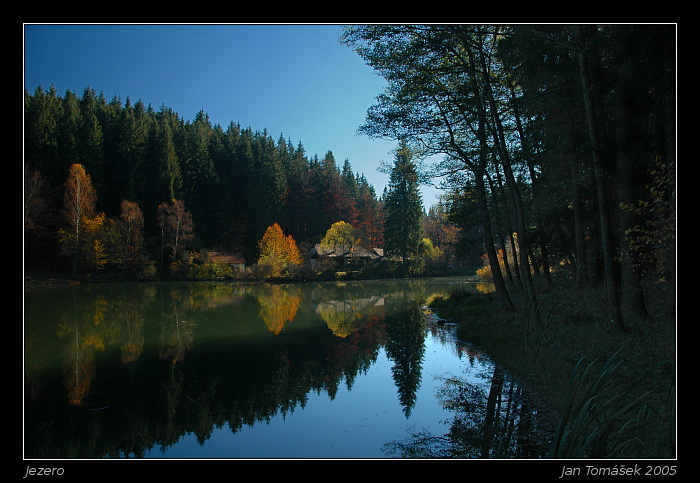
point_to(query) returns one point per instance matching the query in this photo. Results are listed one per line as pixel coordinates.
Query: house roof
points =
(346, 251)
(235, 258)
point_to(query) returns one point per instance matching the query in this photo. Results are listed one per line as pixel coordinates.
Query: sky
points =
(292, 80)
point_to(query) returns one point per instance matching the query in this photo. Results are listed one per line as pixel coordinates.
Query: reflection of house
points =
(234, 260)
(345, 255)
(344, 317)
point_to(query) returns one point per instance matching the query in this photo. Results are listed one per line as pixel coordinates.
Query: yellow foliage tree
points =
(342, 233)
(79, 205)
(95, 253)
(277, 251)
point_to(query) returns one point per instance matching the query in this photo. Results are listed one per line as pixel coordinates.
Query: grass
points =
(615, 391)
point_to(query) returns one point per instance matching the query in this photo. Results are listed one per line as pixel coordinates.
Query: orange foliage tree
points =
(277, 251)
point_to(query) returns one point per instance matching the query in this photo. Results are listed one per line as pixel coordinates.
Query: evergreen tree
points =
(297, 210)
(69, 125)
(199, 174)
(42, 112)
(90, 139)
(404, 207)
(266, 187)
(349, 194)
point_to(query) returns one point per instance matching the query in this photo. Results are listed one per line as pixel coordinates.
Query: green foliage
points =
(515, 113)
(235, 182)
(652, 239)
(403, 206)
(342, 234)
(603, 415)
(201, 267)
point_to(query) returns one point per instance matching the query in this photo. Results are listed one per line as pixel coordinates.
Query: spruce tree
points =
(403, 207)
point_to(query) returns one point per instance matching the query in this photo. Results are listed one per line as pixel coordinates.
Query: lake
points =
(230, 370)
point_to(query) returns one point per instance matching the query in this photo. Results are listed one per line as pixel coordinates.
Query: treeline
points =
(558, 142)
(233, 183)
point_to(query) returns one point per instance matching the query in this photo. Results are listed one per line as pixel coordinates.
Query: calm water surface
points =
(223, 370)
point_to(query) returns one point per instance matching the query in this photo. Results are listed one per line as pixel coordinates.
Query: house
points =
(235, 260)
(345, 255)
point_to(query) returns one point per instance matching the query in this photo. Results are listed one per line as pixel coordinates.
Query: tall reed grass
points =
(607, 416)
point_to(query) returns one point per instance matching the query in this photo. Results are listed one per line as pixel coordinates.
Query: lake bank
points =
(572, 328)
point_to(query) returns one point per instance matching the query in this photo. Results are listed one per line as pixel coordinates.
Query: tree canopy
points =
(556, 145)
(403, 206)
(548, 134)
(233, 182)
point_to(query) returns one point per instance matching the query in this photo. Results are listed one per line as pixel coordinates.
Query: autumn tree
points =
(131, 229)
(277, 252)
(342, 234)
(428, 256)
(441, 231)
(370, 218)
(101, 244)
(177, 229)
(79, 205)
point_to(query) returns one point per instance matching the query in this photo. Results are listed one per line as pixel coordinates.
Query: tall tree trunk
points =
(502, 150)
(504, 225)
(669, 110)
(611, 282)
(632, 296)
(581, 268)
(498, 280)
(536, 193)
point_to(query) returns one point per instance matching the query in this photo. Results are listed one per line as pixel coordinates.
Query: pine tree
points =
(90, 138)
(404, 208)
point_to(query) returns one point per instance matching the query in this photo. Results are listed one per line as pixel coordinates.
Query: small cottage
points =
(345, 255)
(235, 260)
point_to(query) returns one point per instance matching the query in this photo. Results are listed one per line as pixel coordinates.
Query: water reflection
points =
(493, 417)
(122, 369)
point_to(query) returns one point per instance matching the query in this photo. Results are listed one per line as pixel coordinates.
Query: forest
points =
(557, 160)
(222, 187)
(558, 142)
(558, 146)
(558, 156)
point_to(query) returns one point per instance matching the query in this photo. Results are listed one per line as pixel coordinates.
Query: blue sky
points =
(295, 80)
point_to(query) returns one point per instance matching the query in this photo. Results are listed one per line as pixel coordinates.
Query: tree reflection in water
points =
(494, 417)
(128, 369)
